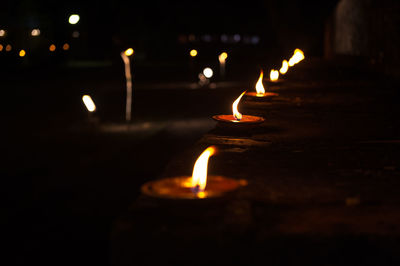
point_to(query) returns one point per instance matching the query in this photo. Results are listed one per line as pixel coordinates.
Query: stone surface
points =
(323, 178)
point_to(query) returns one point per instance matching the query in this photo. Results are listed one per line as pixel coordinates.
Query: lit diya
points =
(197, 186)
(260, 91)
(237, 118)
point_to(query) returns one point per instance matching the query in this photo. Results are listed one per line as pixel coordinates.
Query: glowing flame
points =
(22, 53)
(259, 86)
(298, 55)
(222, 57)
(193, 52)
(236, 114)
(73, 19)
(199, 176)
(87, 100)
(129, 52)
(285, 67)
(274, 75)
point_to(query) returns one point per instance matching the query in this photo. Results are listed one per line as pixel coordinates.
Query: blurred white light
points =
(73, 19)
(208, 73)
(35, 32)
(2, 33)
(87, 100)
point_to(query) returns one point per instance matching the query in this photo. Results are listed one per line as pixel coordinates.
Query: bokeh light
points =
(52, 48)
(87, 100)
(129, 52)
(35, 32)
(73, 19)
(65, 46)
(193, 52)
(207, 72)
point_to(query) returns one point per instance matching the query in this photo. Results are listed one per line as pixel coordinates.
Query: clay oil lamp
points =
(198, 186)
(236, 119)
(260, 90)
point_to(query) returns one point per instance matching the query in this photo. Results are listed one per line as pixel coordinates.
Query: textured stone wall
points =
(368, 28)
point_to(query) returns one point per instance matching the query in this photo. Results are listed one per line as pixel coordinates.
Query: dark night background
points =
(65, 181)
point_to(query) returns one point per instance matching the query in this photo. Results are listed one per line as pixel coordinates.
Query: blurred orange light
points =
(8, 47)
(1, 47)
(52, 48)
(66, 46)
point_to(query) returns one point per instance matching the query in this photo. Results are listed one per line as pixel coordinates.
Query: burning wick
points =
(125, 57)
(260, 90)
(259, 86)
(193, 187)
(236, 114)
(199, 175)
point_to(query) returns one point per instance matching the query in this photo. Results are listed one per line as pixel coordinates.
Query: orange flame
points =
(285, 67)
(199, 175)
(274, 75)
(236, 114)
(259, 86)
(298, 55)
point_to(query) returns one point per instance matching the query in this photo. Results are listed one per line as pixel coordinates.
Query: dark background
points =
(160, 30)
(65, 180)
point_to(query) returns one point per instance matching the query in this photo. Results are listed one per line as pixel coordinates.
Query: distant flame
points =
(285, 67)
(199, 175)
(129, 52)
(87, 100)
(259, 86)
(222, 57)
(274, 75)
(236, 114)
(298, 55)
